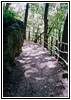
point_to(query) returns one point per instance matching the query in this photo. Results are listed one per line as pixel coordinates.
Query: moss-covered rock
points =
(12, 41)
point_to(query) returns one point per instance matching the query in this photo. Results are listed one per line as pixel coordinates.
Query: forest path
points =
(36, 74)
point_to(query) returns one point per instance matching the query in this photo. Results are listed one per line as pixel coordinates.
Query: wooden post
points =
(59, 43)
(56, 46)
(35, 37)
(29, 35)
(51, 44)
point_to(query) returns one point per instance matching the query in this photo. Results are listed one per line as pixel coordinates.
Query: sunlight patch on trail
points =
(39, 78)
(51, 64)
(50, 58)
(29, 72)
(41, 70)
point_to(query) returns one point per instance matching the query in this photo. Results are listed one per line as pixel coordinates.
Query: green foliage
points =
(65, 68)
(65, 75)
(56, 18)
(56, 15)
(9, 13)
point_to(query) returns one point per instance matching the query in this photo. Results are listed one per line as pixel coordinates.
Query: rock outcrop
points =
(12, 41)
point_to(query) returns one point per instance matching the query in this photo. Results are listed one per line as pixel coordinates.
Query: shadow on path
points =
(36, 74)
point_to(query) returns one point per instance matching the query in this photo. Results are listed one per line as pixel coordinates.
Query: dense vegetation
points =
(12, 37)
(42, 23)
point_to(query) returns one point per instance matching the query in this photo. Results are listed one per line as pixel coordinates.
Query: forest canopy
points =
(40, 18)
(56, 16)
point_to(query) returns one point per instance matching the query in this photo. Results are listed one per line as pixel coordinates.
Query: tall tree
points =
(65, 37)
(46, 25)
(7, 6)
(36, 34)
(25, 19)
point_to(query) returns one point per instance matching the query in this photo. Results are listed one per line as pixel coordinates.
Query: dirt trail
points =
(36, 74)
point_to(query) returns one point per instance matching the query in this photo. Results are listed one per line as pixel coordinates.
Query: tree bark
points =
(7, 6)
(65, 38)
(35, 37)
(36, 34)
(40, 38)
(25, 19)
(46, 25)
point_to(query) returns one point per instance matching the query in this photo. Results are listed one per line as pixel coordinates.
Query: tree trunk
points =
(46, 25)
(36, 34)
(7, 6)
(40, 38)
(25, 19)
(65, 38)
(35, 37)
(33, 33)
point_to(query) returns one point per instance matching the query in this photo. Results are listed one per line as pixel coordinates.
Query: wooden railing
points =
(56, 49)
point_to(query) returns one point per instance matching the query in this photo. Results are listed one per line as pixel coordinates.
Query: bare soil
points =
(36, 74)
